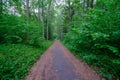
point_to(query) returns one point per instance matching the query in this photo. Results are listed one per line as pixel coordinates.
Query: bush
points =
(17, 59)
(97, 35)
(14, 30)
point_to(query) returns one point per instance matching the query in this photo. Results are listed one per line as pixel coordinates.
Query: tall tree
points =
(91, 3)
(69, 8)
(39, 12)
(84, 6)
(60, 32)
(43, 32)
(48, 18)
(27, 11)
(88, 3)
(1, 6)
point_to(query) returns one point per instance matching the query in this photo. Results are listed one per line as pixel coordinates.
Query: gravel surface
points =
(58, 63)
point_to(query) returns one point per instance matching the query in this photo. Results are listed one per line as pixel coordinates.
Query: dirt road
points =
(57, 63)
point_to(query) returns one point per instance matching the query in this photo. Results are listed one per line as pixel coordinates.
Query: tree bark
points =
(48, 19)
(43, 33)
(27, 11)
(35, 17)
(88, 3)
(84, 3)
(1, 6)
(69, 1)
(60, 33)
(91, 3)
(39, 12)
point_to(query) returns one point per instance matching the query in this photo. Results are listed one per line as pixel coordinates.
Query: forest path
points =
(57, 63)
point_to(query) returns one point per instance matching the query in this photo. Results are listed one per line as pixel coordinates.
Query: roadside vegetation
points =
(20, 47)
(17, 59)
(94, 36)
(21, 40)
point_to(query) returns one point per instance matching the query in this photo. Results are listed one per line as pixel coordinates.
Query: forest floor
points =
(58, 63)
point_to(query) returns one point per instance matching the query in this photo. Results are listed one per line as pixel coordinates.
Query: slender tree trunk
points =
(48, 19)
(84, 6)
(47, 35)
(1, 6)
(27, 19)
(35, 17)
(69, 10)
(83, 9)
(43, 33)
(39, 12)
(69, 13)
(88, 3)
(61, 34)
(60, 31)
(91, 3)
(27, 11)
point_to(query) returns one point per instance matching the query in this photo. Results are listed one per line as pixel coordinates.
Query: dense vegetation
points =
(17, 59)
(94, 35)
(20, 47)
(89, 28)
(21, 40)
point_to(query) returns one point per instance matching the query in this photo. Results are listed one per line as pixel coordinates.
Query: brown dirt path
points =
(57, 63)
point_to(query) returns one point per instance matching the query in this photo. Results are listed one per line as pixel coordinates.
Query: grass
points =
(17, 59)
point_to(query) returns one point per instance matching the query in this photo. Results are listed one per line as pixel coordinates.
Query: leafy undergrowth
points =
(104, 65)
(108, 67)
(17, 59)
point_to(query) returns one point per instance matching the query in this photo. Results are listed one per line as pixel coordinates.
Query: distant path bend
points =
(57, 63)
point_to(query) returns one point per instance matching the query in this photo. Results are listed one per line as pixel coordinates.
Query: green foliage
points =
(21, 45)
(17, 59)
(21, 41)
(95, 37)
(14, 30)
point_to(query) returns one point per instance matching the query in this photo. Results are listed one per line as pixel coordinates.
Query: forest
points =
(90, 29)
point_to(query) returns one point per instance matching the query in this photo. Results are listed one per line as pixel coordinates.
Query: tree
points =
(69, 9)
(48, 18)
(39, 12)
(1, 6)
(27, 11)
(96, 34)
(43, 33)
(92, 4)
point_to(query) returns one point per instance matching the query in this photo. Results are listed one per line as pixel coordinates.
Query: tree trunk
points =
(91, 3)
(88, 3)
(69, 10)
(1, 6)
(48, 19)
(39, 12)
(84, 6)
(43, 18)
(27, 11)
(35, 17)
(60, 33)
